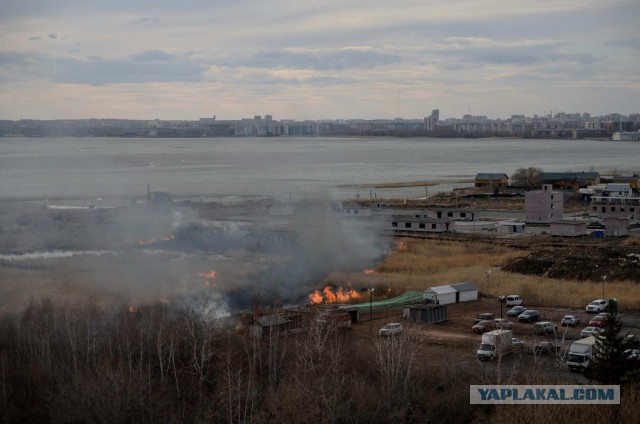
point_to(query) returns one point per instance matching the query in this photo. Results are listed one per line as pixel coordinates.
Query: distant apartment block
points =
(626, 136)
(558, 125)
(543, 206)
(431, 122)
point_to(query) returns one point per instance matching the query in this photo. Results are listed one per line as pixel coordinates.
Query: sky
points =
(329, 59)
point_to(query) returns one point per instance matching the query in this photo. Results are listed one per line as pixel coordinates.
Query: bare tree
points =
(527, 178)
(395, 356)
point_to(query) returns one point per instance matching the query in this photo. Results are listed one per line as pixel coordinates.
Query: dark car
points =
(529, 316)
(548, 347)
(483, 326)
(484, 316)
(516, 310)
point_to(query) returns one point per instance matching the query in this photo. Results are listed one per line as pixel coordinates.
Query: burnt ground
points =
(584, 263)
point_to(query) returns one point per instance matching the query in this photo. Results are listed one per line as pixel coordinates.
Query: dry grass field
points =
(418, 264)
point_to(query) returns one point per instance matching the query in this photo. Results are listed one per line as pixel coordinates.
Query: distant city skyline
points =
(317, 60)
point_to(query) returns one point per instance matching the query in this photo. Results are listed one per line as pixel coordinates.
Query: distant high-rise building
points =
(431, 121)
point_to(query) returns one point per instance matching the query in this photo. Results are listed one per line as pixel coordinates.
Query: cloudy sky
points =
(312, 59)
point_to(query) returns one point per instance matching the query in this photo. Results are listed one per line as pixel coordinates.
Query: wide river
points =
(45, 168)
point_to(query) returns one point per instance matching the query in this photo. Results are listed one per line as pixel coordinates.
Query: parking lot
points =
(453, 342)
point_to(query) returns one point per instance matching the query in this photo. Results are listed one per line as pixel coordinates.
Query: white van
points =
(514, 300)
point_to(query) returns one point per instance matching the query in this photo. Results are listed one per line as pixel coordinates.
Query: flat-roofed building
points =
(568, 228)
(543, 206)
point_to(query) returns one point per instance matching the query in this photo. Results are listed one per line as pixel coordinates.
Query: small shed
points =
(268, 325)
(430, 314)
(568, 228)
(465, 291)
(512, 227)
(441, 295)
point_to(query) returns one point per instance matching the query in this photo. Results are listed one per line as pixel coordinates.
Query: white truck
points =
(495, 344)
(580, 353)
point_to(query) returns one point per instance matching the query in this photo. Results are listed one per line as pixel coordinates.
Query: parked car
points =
(598, 305)
(516, 310)
(570, 320)
(483, 326)
(517, 342)
(546, 347)
(484, 316)
(633, 354)
(514, 300)
(591, 331)
(391, 329)
(529, 316)
(503, 324)
(598, 321)
(544, 327)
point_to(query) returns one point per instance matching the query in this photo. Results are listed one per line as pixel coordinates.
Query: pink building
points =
(543, 206)
(616, 226)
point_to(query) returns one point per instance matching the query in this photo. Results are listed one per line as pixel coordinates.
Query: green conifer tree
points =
(611, 362)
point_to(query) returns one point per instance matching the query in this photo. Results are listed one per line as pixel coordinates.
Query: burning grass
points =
(330, 295)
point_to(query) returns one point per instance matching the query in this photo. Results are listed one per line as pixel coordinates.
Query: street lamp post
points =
(604, 277)
(501, 298)
(371, 304)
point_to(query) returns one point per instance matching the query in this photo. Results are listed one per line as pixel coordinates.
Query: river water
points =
(121, 168)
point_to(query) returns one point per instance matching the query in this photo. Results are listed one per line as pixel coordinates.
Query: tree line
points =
(83, 363)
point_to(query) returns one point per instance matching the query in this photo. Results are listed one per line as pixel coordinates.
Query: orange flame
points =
(327, 295)
(155, 240)
(401, 245)
(131, 309)
(316, 297)
(369, 271)
(207, 277)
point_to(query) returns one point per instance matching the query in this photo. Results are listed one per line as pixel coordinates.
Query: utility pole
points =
(370, 308)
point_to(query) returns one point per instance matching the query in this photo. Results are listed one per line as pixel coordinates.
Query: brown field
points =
(418, 264)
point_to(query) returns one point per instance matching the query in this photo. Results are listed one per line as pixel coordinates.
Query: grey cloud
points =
(146, 21)
(632, 43)
(524, 55)
(322, 60)
(15, 59)
(145, 67)
(152, 56)
(35, 38)
(101, 72)
(52, 36)
(314, 80)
